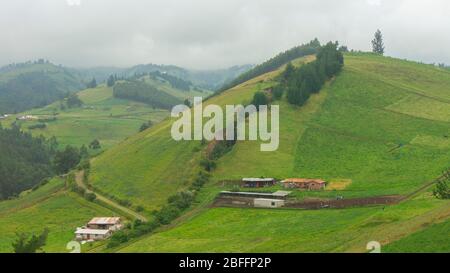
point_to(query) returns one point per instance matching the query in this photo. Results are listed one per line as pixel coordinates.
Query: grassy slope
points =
(435, 238)
(103, 117)
(50, 206)
(166, 87)
(149, 167)
(347, 132)
(264, 230)
(350, 129)
(59, 74)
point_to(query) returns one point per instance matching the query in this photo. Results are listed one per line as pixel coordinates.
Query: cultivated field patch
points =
(422, 107)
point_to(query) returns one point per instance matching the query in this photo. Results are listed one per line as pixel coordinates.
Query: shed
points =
(268, 203)
(84, 234)
(257, 182)
(265, 195)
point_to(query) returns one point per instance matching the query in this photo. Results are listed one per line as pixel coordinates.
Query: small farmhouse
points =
(110, 223)
(257, 182)
(99, 228)
(26, 117)
(87, 234)
(304, 183)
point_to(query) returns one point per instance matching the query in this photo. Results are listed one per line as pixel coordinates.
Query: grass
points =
(434, 238)
(102, 117)
(265, 230)
(364, 127)
(352, 130)
(48, 207)
(149, 167)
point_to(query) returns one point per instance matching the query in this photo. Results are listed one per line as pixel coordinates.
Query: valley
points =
(363, 132)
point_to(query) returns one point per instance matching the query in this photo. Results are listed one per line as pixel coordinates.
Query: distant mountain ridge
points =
(34, 84)
(206, 79)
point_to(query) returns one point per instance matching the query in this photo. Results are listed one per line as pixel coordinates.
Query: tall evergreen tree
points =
(377, 43)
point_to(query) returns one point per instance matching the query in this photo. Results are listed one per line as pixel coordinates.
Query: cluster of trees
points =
(175, 82)
(260, 98)
(145, 126)
(27, 91)
(142, 92)
(25, 161)
(111, 80)
(274, 63)
(299, 83)
(26, 243)
(92, 83)
(95, 144)
(66, 159)
(74, 101)
(442, 189)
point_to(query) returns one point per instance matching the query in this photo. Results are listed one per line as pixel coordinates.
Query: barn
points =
(304, 183)
(257, 182)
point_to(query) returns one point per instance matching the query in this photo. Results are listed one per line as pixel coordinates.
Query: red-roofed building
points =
(304, 183)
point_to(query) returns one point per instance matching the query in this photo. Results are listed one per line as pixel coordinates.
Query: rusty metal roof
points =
(303, 180)
(104, 221)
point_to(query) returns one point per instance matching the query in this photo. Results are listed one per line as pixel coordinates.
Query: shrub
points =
(90, 196)
(259, 98)
(442, 190)
(37, 126)
(181, 200)
(208, 164)
(167, 214)
(118, 238)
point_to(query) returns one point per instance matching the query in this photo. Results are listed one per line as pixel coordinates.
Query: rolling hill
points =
(102, 117)
(50, 206)
(34, 84)
(379, 128)
(364, 131)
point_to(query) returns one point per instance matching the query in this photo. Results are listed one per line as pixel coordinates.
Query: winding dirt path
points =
(79, 180)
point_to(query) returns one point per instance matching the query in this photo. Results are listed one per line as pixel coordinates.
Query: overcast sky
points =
(206, 34)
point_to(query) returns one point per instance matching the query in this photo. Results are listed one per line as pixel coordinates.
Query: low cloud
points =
(213, 34)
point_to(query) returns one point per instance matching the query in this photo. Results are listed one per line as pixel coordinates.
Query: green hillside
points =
(366, 132)
(147, 168)
(363, 132)
(434, 238)
(282, 230)
(365, 127)
(102, 117)
(50, 206)
(34, 84)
